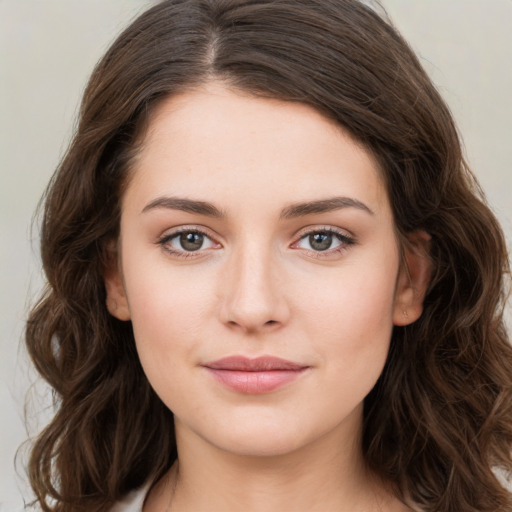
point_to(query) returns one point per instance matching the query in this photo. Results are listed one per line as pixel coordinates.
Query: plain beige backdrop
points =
(47, 50)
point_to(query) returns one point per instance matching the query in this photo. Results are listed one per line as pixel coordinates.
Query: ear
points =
(413, 278)
(117, 302)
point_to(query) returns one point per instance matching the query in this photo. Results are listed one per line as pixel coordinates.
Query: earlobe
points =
(117, 303)
(413, 279)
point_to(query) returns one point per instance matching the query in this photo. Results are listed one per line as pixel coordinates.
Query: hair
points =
(439, 420)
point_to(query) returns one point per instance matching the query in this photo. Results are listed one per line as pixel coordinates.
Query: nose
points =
(253, 293)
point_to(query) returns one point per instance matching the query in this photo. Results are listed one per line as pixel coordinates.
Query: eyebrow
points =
(322, 206)
(290, 212)
(185, 205)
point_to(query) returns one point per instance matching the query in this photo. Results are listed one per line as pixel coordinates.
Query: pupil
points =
(191, 241)
(320, 241)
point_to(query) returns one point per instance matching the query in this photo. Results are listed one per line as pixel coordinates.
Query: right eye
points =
(184, 242)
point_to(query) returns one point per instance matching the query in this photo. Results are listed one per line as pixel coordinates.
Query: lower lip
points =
(255, 382)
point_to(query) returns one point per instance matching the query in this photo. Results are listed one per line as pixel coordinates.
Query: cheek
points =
(350, 324)
(352, 302)
(170, 309)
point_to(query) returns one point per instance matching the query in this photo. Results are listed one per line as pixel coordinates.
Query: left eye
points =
(323, 240)
(189, 241)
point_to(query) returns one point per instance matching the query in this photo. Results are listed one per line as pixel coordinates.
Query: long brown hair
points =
(439, 421)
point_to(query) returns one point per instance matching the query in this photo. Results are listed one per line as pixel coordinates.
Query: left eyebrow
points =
(322, 206)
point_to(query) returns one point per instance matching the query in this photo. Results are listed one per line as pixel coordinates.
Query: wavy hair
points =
(439, 420)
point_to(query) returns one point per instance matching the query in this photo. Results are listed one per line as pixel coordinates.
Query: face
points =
(259, 266)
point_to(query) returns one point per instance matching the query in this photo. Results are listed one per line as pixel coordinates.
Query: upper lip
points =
(258, 364)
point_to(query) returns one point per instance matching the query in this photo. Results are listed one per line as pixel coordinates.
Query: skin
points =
(257, 286)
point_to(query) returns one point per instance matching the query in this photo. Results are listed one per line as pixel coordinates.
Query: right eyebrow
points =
(185, 205)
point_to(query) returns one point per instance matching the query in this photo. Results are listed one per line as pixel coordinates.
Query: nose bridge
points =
(252, 296)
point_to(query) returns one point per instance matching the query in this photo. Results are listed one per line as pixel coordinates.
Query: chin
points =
(260, 437)
(262, 444)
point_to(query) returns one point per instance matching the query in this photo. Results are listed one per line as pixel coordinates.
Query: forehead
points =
(220, 142)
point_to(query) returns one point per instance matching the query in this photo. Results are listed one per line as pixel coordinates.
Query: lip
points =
(254, 376)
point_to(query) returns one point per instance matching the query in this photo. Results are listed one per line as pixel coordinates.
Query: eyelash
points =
(344, 239)
(166, 239)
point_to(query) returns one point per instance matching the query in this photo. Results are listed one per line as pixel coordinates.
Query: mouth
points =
(254, 376)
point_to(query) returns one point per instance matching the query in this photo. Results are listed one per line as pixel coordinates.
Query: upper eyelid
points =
(172, 232)
(302, 231)
(317, 229)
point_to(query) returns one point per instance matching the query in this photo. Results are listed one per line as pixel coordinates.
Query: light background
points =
(48, 49)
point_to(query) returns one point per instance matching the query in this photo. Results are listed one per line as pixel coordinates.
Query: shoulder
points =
(132, 502)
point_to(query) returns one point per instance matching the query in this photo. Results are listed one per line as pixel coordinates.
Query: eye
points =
(191, 241)
(186, 241)
(320, 241)
(324, 240)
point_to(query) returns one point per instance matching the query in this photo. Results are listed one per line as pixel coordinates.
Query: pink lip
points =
(254, 376)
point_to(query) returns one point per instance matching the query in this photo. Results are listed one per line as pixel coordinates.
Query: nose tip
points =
(252, 309)
(253, 297)
(250, 327)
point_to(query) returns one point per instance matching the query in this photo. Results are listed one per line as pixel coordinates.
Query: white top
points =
(132, 502)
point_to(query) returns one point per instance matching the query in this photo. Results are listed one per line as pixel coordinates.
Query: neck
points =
(328, 474)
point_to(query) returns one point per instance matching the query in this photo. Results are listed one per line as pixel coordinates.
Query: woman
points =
(273, 283)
